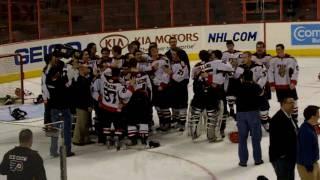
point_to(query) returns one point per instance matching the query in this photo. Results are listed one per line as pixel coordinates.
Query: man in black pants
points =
(283, 140)
(22, 162)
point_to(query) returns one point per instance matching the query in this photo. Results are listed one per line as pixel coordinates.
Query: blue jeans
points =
(249, 122)
(66, 115)
(284, 168)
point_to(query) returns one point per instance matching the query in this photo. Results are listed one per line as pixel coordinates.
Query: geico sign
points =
(160, 39)
(114, 40)
(301, 33)
(37, 53)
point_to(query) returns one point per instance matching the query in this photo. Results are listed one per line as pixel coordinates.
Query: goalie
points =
(207, 96)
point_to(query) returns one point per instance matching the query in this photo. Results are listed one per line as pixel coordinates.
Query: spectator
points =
(308, 146)
(92, 49)
(182, 54)
(50, 60)
(117, 60)
(60, 108)
(83, 103)
(283, 140)
(105, 54)
(248, 118)
(22, 162)
(72, 69)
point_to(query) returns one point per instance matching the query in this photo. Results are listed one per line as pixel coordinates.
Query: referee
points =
(23, 163)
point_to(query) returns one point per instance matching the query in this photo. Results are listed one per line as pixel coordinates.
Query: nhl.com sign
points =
(305, 34)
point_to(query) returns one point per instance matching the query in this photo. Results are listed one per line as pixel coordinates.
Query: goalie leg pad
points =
(194, 121)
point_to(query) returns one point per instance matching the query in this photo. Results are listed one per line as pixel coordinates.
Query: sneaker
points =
(71, 154)
(242, 164)
(259, 163)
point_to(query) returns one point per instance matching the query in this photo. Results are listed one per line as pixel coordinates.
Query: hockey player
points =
(283, 76)
(117, 59)
(220, 71)
(233, 57)
(137, 114)
(160, 79)
(259, 73)
(96, 93)
(179, 89)
(144, 64)
(113, 98)
(105, 54)
(206, 98)
(261, 57)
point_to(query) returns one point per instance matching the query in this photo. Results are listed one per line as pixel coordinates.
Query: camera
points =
(66, 51)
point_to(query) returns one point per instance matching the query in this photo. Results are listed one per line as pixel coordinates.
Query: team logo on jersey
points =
(282, 70)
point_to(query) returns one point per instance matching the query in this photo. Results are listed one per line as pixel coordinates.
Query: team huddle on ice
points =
(123, 89)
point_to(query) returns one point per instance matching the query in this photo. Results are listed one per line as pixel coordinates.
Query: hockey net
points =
(11, 78)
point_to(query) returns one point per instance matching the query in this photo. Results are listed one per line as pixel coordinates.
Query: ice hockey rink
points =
(178, 158)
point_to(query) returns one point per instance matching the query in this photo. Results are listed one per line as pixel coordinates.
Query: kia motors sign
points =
(114, 40)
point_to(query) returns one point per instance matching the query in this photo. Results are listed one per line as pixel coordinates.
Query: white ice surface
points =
(178, 158)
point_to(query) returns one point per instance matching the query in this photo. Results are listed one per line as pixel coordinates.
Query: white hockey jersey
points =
(283, 71)
(113, 94)
(258, 70)
(262, 59)
(216, 69)
(160, 77)
(144, 66)
(117, 62)
(72, 74)
(232, 57)
(95, 88)
(180, 71)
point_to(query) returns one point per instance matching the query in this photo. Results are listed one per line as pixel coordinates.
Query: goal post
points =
(12, 76)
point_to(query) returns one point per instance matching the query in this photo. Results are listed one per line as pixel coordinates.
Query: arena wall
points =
(300, 39)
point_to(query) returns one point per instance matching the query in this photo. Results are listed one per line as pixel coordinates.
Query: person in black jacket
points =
(23, 163)
(60, 107)
(182, 54)
(308, 145)
(84, 104)
(283, 140)
(247, 101)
